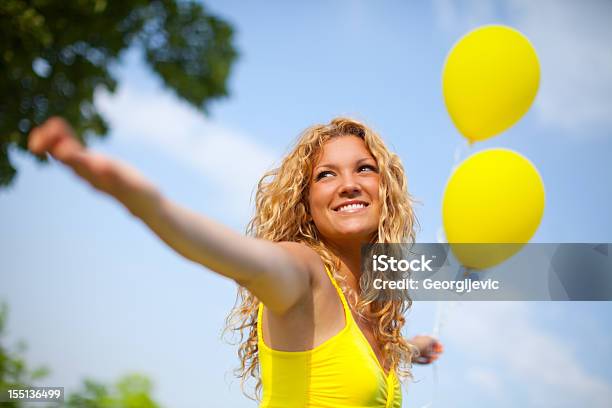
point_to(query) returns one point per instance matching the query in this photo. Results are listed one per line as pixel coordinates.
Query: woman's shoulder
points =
(306, 256)
(300, 250)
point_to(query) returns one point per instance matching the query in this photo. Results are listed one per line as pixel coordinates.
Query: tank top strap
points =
(259, 317)
(347, 310)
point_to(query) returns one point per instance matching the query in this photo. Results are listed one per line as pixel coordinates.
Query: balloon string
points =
(434, 367)
(442, 311)
(436, 335)
(461, 151)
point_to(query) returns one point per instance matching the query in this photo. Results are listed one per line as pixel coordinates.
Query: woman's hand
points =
(429, 349)
(56, 137)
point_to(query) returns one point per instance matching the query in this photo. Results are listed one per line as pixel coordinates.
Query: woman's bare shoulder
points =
(307, 257)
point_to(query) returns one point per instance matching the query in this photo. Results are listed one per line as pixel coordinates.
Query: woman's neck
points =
(350, 261)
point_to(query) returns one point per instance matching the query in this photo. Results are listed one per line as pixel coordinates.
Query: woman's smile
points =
(351, 207)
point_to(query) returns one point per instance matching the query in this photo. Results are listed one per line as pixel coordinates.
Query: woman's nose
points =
(349, 187)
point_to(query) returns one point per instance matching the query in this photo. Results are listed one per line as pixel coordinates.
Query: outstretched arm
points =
(279, 274)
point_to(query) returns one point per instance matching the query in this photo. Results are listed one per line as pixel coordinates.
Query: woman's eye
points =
(323, 174)
(369, 167)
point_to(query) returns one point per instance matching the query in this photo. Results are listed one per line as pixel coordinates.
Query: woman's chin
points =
(360, 233)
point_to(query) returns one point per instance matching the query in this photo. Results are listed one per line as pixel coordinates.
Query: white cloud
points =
(506, 336)
(572, 39)
(227, 157)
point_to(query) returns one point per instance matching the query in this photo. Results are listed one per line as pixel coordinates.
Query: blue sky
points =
(94, 293)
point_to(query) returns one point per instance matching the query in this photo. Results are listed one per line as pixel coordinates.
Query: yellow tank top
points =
(341, 372)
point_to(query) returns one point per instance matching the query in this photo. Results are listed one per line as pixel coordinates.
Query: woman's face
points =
(343, 195)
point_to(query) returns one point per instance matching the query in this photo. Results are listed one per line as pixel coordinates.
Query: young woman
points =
(315, 332)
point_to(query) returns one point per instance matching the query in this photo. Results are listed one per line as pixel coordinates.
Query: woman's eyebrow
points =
(333, 166)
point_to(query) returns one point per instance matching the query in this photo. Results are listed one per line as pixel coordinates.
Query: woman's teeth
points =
(351, 207)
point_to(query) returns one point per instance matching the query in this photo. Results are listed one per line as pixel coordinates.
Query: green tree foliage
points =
(14, 371)
(54, 54)
(131, 391)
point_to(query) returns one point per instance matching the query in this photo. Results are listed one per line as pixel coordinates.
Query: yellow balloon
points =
(495, 196)
(490, 78)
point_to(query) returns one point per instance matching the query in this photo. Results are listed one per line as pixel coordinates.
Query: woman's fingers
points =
(35, 141)
(438, 347)
(427, 344)
(429, 347)
(54, 136)
(426, 360)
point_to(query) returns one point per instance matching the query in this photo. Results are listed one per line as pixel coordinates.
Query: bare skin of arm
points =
(279, 274)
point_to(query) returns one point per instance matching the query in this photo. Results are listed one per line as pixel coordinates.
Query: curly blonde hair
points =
(282, 214)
